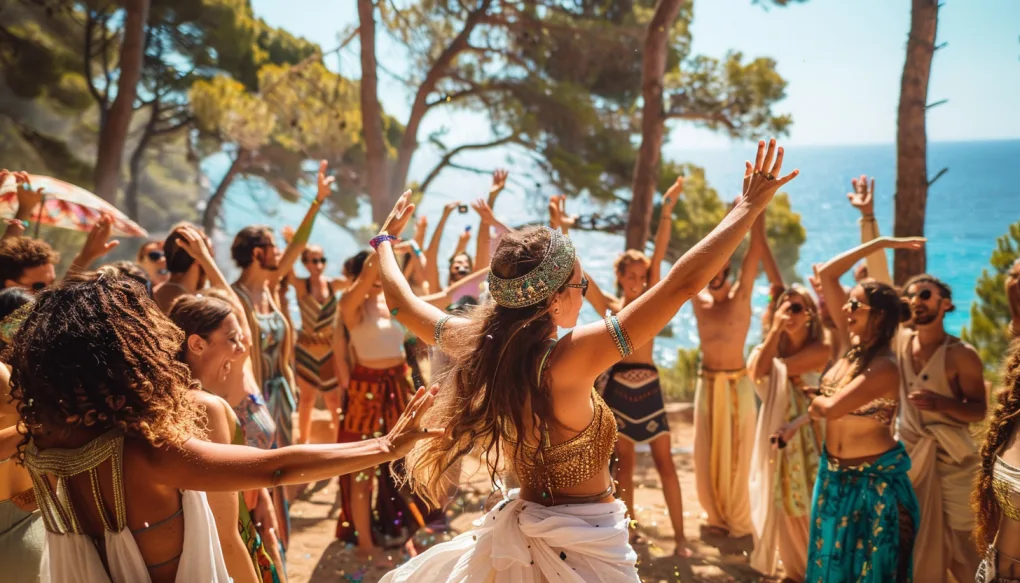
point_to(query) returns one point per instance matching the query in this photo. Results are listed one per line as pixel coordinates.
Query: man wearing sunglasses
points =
(942, 382)
(27, 263)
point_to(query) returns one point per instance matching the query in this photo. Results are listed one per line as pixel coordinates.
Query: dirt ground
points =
(315, 556)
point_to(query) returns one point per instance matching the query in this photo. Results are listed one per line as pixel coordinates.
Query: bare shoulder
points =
(962, 354)
(883, 367)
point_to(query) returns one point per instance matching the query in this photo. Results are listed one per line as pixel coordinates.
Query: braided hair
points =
(1001, 427)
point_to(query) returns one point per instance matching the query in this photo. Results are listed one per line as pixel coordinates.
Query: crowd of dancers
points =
(148, 420)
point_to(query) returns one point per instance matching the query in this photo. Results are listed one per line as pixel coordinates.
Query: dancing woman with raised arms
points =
(864, 511)
(526, 401)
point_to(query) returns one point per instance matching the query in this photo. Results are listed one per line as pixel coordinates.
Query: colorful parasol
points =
(68, 207)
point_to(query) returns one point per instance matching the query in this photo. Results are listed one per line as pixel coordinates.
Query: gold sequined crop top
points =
(573, 462)
(1006, 484)
(882, 410)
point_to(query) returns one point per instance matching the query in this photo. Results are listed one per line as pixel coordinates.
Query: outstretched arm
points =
(444, 298)
(432, 252)
(210, 467)
(591, 348)
(665, 230)
(351, 300)
(417, 315)
(830, 273)
(863, 199)
(297, 245)
(599, 299)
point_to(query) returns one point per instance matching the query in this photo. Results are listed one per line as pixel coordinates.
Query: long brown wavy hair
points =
(1001, 426)
(492, 381)
(96, 352)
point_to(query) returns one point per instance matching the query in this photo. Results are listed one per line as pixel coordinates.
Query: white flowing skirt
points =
(525, 542)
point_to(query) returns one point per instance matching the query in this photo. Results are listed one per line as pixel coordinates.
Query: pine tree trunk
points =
(653, 123)
(377, 164)
(113, 134)
(912, 139)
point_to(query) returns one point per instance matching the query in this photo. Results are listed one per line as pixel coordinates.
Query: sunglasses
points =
(317, 261)
(37, 286)
(857, 305)
(796, 308)
(155, 255)
(924, 295)
(583, 286)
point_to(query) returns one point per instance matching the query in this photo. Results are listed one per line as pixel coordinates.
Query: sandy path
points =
(316, 557)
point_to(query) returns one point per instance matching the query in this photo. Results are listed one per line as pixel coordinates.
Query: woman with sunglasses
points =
(526, 402)
(864, 512)
(632, 391)
(790, 358)
(313, 352)
(152, 259)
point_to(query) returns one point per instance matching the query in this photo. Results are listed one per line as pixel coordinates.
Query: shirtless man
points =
(942, 390)
(725, 412)
(633, 391)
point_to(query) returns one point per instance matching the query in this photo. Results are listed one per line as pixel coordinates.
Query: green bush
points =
(989, 315)
(679, 381)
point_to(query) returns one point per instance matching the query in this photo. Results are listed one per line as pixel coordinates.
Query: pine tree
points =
(989, 316)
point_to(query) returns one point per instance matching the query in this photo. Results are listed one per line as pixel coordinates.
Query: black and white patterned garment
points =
(633, 393)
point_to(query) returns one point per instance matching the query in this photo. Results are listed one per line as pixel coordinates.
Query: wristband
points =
(378, 240)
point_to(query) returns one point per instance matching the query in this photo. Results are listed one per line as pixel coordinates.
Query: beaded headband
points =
(10, 325)
(540, 283)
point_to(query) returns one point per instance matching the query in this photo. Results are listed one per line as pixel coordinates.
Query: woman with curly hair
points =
(996, 496)
(789, 359)
(864, 511)
(109, 424)
(526, 401)
(22, 536)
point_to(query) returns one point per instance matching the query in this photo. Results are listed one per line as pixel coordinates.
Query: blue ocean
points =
(968, 209)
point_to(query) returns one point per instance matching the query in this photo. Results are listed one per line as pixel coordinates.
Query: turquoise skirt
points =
(856, 531)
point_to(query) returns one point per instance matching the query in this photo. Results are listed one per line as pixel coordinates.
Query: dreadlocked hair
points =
(888, 310)
(1001, 426)
(492, 382)
(97, 353)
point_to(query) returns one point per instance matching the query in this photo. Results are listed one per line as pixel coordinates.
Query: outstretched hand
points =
(498, 180)
(764, 182)
(98, 243)
(484, 211)
(910, 243)
(399, 216)
(324, 182)
(672, 195)
(863, 196)
(408, 428)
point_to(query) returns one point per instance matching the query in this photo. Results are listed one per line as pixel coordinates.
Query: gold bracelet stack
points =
(619, 334)
(437, 335)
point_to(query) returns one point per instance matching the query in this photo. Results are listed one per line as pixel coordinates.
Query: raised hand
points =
(782, 315)
(449, 208)
(484, 211)
(748, 172)
(401, 214)
(421, 226)
(28, 198)
(194, 244)
(324, 183)
(288, 234)
(764, 182)
(555, 220)
(672, 195)
(98, 243)
(498, 180)
(408, 428)
(910, 243)
(863, 196)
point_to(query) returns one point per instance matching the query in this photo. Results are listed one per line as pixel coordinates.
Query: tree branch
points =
(101, 100)
(936, 104)
(937, 176)
(447, 159)
(710, 117)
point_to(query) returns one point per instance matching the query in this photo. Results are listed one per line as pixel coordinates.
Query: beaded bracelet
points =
(619, 334)
(378, 240)
(437, 335)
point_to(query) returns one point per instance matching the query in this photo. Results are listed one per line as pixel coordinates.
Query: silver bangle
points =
(437, 335)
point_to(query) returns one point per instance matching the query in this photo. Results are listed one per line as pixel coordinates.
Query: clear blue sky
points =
(842, 60)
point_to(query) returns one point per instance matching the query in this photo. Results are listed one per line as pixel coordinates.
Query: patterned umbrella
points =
(68, 207)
